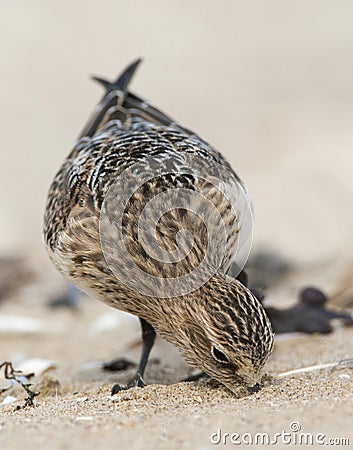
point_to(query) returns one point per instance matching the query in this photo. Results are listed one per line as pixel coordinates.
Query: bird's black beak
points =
(254, 388)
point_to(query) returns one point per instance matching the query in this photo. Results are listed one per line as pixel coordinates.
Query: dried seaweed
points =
(16, 375)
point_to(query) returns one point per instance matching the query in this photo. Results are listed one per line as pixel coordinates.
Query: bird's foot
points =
(137, 381)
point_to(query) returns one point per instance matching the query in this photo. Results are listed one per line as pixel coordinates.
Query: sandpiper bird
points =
(131, 155)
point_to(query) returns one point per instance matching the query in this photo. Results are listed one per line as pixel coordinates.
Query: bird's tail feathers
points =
(120, 104)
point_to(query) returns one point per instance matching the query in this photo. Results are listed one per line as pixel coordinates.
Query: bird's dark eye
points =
(219, 355)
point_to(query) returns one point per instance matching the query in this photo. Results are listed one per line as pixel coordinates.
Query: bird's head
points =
(224, 331)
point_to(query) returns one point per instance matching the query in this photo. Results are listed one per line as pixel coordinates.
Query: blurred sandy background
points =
(269, 83)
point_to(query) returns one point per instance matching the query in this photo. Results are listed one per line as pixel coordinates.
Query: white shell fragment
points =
(344, 376)
(342, 362)
(92, 365)
(36, 365)
(8, 399)
(117, 321)
(10, 324)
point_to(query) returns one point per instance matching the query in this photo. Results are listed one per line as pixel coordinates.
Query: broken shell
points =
(8, 399)
(38, 366)
(124, 323)
(19, 324)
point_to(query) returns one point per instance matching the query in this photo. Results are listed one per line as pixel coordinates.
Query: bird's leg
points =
(148, 337)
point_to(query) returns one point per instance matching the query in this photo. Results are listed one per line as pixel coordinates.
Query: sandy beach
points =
(75, 408)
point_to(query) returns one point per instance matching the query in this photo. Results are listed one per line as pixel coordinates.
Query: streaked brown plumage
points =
(219, 327)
